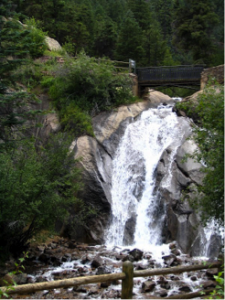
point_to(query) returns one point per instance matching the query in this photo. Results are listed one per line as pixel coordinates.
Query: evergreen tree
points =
(105, 38)
(130, 40)
(194, 22)
(163, 9)
(141, 12)
(154, 45)
(14, 45)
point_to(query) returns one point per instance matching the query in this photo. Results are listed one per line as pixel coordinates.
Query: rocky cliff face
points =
(95, 159)
(181, 223)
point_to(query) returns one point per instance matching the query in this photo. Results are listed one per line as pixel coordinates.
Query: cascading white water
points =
(134, 200)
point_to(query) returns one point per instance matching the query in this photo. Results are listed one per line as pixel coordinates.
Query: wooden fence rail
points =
(127, 279)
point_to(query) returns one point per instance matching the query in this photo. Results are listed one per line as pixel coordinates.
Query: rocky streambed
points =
(62, 259)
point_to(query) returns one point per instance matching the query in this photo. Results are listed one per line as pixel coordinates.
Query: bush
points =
(75, 121)
(37, 187)
(36, 37)
(209, 136)
(90, 85)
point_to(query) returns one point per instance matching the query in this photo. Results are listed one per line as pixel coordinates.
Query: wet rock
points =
(194, 278)
(56, 260)
(40, 279)
(112, 294)
(67, 256)
(128, 257)
(211, 272)
(137, 254)
(105, 284)
(214, 248)
(96, 262)
(174, 278)
(173, 245)
(185, 288)
(129, 230)
(85, 259)
(147, 286)
(44, 257)
(141, 267)
(163, 283)
(175, 252)
(163, 293)
(102, 270)
(209, 284)
(93, 291)
(169, 259)
(80, 289)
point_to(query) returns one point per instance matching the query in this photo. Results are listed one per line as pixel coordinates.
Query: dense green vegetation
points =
(84, 87)
(152, 32)
(38, 181)
(208, 112)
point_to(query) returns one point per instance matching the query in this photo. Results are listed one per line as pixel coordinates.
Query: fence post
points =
(127, 283)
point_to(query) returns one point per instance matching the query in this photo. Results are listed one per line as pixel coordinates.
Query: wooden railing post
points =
(127, 282)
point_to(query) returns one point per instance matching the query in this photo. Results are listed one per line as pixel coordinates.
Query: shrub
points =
(37, 187)
(37, 46)
(75, 121)
(90, 84)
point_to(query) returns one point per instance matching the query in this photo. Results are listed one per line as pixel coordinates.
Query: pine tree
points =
(130, 40)
(14, 47)
(194, 22)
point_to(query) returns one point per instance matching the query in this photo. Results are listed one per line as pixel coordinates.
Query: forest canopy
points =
(152, 32)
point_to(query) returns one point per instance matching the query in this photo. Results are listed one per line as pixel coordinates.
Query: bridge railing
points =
(169, 74)
(126, 275)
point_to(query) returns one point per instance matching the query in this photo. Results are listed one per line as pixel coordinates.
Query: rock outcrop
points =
(95, 159)
(96, 156)
(52, 44)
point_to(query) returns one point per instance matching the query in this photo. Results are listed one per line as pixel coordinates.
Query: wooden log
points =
(66, 283)
(173, 270)
(127, 283)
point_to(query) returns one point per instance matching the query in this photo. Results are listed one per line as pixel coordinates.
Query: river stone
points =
(137, 254)
(147, 286)
(96, 262)
(163, 293)
(185, 288)
(102, 270)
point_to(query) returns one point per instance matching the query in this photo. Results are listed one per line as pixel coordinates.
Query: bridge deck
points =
(152, 76)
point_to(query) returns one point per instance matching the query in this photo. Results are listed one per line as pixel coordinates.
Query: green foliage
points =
(37, 187)
(194, 23)
(19, 268)
(130, 40)
(75, 121)
(89, 84)
(36, 39)
(209, 136)
(218, 292)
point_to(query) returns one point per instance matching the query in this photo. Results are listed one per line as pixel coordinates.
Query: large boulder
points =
(52, 44)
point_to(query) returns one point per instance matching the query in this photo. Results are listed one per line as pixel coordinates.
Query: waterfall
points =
(137, 212)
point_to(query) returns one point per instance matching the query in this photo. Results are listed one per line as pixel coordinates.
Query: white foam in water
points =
(135, 162)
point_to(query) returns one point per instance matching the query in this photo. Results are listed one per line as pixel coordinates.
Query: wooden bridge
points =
(178, 76)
